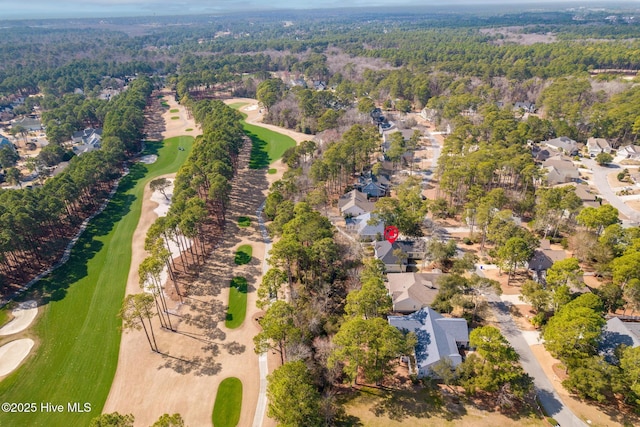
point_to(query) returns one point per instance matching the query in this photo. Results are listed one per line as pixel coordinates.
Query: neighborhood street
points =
(548, 397)
(600, 181)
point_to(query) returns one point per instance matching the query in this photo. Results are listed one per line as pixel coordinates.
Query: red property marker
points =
(391, 233)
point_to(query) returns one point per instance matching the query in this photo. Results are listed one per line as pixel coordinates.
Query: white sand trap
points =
(251, 107)
(151, 158)
(23, 315)
(12, 354)
(162, 201)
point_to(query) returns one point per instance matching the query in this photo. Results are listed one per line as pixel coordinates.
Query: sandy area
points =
(13, 353)
(195, 359)
(149, 159)
(23, 315)
(612, 179)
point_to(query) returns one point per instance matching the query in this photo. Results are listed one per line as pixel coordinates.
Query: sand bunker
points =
(23, 315)
(12, 354)
(162, 201)
(251, 107)
(151, 158)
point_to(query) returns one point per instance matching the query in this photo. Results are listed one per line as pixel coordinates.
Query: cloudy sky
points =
(12, 9)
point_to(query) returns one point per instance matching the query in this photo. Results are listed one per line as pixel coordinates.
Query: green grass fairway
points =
(237, 302)
(226, 409)
(244, 221)
(267, 145)
(243, 255)
(78, 335)
(237, 105)
(5, 315)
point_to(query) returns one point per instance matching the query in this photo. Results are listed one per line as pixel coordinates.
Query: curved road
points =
(600, 180)
(547, 395)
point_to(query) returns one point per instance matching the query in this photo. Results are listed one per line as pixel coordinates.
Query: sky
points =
(13, 9)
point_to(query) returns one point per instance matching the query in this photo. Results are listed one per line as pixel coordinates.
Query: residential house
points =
(373, 185)
(319, 85)
(361, 227)
(87, 140)
(410, 292)
(384, 251)
(560, 170)
(4, 142)
(386, 137)
(527, 107)
(354, 203)
(617, 332)
(631, 152)
(437, 337)
(543, 258)
(596, 146)
(562, 144)
(29, 123)
(298, 82)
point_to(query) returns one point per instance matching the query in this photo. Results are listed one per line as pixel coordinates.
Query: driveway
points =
(600, 181)
(548, 397)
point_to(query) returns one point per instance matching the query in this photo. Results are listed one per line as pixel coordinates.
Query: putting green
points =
(226, 409)
(78, 332)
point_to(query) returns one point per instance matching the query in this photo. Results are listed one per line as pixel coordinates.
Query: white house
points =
(596, 146)
(562, 144)
(631, 152)
(360, 226)
(438, 337)
(354, 203)
(410, 292)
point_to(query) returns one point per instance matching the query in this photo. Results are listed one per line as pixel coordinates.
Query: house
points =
(373, 185)
(588, 199)
(615, 333)
(528, 107)
(29, 123)
(414, 250)
(4, 142)
(438, 337)
(319, 85)
(298, 82)
(354, 203)
(386, 137)
(361, 227)
(562, 144)
(410, 292)
(631, 152)
(543, 258)
(87, 140)
(596, 146)
(560, 170)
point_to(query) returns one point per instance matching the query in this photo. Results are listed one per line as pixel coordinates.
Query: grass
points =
(175, 117)
(164, 104)
(226, 409)
(237, 105)
(79, 331)
(5, 315)
(243, 255)
(272, 171)
(244, 221)
(237, 302)
(267, 145)
(374, 407)
(174, 110)
(188, 129)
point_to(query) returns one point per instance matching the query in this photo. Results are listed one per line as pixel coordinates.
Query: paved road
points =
(600, 180)
(548, 397)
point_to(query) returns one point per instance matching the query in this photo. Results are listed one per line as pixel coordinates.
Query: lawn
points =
(226, 409)
(272, 171)
(267, 145)
(5, 315)
(79, 331)
(421, 407)
(243, 255)
(174, 110)
(175, 117)
(237, 302)
(244, 221)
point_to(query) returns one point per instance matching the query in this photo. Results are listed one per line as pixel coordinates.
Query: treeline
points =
(201, 197)
(36, 224)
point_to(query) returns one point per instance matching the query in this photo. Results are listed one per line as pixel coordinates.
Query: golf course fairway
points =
(69, 373)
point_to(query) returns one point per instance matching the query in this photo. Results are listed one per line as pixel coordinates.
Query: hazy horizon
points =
(42, 9)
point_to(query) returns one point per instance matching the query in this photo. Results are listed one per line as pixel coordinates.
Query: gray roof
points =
(355, 198)
(563, 143)
(412, 291)
(617, 332)
(384, 249)
(362, 227)
(438, 336)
